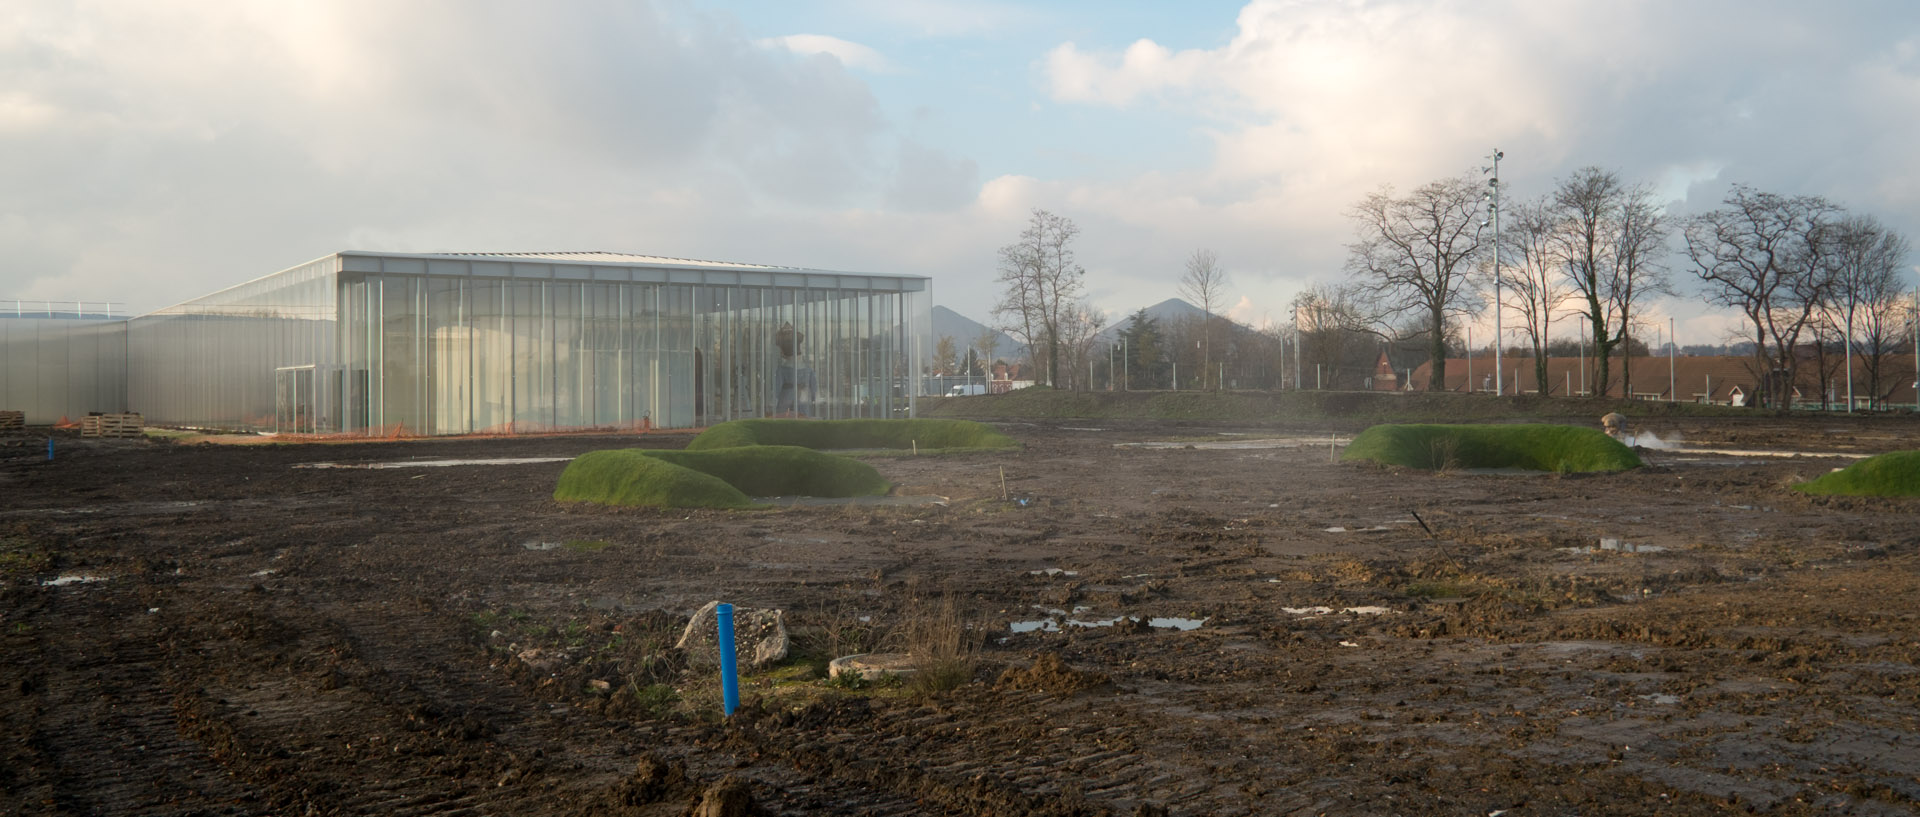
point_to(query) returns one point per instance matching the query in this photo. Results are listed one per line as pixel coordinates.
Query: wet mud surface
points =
(217, 630)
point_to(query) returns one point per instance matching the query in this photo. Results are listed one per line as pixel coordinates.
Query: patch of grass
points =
(1535, 447)
(781, 470)
(720, 478)
(924, 434)
(1894, 474)
(22, 558)
(630, 477)
(945, 649)
(652, 700)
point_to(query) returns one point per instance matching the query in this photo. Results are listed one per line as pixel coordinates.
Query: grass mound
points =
(1895, 474)
(782, 470)
(630, 477)
(1534, 447)
(723, 478)
(845, 434)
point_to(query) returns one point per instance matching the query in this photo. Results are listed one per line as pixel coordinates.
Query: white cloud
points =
(173, 146)
(946, 18)
(178, 147)
(850, 54)
(1313, 104)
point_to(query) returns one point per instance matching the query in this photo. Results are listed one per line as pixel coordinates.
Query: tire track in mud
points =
(359, 707)
(985, 752)
(99, 723)
(387, 708)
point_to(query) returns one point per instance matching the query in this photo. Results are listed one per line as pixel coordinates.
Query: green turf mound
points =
(723, 478)
(1895, 474)
(630, 477)
(853, 434)
(1534, 447)
(782, 470)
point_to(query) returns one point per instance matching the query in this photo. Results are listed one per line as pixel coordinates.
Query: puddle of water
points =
(72, 578)
(540, 545)
(431, 463)
(267, 572)
(1608, 543)
(1661, 698)
(1071, 428)
(1747, 452)
(1053, 572)
(1321, 610)
(1338, 529)
(857, 500)
(1052, 625)
(1238, 445)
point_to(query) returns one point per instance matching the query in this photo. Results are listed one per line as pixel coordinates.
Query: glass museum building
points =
(455, 343)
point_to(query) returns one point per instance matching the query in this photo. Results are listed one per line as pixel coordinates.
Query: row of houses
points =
(1721, 380)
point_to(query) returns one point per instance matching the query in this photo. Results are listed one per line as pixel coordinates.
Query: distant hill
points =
(1167, 312)
(964, 330)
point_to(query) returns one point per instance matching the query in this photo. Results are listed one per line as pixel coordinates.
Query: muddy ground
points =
(209, 629)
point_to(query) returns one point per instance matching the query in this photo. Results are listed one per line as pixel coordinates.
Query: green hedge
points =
(1895, 474)
(725, 478)
(1534, 447)
(853, 434)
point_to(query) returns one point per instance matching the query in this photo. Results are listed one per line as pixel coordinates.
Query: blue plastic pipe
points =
(729, 678)
(49, 449)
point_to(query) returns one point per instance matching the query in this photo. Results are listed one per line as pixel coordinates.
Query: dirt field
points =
(201, 629)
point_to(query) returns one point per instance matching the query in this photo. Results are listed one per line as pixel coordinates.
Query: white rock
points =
(759, 636)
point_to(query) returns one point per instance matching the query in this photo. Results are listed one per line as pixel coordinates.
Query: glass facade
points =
(452, 344)
(62, 367)
(449, 345)
(238, 358)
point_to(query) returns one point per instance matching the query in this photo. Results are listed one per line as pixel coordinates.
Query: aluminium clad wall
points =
(55, 368)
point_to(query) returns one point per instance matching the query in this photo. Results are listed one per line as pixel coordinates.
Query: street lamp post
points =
(1493, 210)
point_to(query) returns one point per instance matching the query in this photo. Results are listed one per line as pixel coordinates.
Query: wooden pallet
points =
(112, 425)
(13, 420)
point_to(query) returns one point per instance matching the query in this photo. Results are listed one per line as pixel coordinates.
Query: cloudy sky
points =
(154, 151)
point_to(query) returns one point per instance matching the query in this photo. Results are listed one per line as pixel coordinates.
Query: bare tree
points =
(1534, 279)
(1765, 254)
(1335, 332)
(1042, 282)
(1204, 284)
(1869, 291)
(985, 346)
(1079, 323)
(1415, 256)
(946, 357)
(1611, 239)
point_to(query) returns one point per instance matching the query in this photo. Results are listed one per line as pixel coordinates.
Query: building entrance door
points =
(294, 400)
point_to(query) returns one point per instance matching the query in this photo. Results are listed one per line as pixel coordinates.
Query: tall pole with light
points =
(1493, 215)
